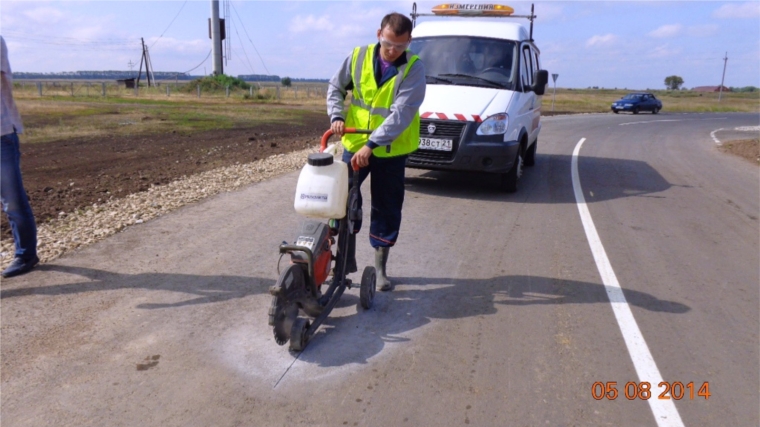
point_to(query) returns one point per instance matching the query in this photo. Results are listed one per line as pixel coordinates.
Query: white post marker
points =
(554, 77)
(665, 412)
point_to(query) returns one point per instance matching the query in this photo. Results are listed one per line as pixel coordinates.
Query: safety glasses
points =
(390, 45)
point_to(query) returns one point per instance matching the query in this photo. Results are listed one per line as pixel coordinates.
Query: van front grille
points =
(443, 129)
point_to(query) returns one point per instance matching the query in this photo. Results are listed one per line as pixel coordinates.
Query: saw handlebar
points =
(329, 133)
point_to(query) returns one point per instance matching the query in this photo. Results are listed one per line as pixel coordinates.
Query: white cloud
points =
(45, 15)
(703, 30)
(602, 41)
(666, 31)
(733, 10)
(664, 51)
(169, 45)
(301, 24)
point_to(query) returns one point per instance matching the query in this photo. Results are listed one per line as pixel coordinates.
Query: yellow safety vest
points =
(371, 105)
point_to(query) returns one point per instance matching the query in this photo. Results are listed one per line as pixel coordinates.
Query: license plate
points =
(436, 144)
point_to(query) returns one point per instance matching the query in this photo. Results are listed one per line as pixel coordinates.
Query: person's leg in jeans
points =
(387, 188)
(14, 200)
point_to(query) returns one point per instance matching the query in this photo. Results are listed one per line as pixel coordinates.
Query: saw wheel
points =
(290, 288)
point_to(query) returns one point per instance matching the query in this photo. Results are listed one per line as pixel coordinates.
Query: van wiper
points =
(495, 83)
(438, 79)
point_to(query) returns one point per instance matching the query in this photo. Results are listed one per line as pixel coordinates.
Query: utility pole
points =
(725, 62)
(148, 66)
(142, 57)
(216, 38)
(131, 66)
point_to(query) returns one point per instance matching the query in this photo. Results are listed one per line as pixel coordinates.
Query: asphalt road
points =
(501, 315)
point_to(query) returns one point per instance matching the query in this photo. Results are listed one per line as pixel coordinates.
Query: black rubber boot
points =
(351, 263)
(381, 259)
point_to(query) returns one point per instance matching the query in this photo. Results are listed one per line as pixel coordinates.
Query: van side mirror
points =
(541, 79)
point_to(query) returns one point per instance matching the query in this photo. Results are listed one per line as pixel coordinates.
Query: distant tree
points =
(733, 89)
(286, 81)
(673, 82)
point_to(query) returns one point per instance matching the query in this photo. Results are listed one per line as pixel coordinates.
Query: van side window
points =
(526, 70)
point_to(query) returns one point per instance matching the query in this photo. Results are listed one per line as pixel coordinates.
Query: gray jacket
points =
(407, 103)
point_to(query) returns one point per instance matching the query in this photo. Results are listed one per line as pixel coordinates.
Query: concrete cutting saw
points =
(327, 188)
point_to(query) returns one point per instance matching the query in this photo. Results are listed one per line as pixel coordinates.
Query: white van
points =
(482, 106)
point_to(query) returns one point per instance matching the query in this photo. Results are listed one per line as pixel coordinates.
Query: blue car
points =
(635, 102)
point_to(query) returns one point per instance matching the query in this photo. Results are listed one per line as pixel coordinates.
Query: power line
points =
(170, 24)
(249, 38)
(244, 51)
(202, 62)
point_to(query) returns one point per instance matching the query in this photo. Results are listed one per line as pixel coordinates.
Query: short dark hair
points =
(398, 23)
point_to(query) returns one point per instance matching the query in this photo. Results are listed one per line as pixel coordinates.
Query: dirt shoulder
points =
(748, 149)
(67, 175)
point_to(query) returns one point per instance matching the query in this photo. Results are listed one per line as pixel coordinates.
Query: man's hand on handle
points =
(338, 127)
(361, 158)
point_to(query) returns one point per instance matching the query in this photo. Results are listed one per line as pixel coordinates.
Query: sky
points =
(613, 44)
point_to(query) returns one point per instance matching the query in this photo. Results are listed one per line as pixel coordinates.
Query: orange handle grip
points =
(326, 136)
(329, 133)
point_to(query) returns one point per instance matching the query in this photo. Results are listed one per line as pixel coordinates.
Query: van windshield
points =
(469, 61)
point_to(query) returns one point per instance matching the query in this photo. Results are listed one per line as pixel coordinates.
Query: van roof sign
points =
(473, 9)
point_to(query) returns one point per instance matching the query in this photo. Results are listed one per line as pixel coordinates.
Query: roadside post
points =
(227, 92)
(39, 88)
(199, 91)
(167, 91)
(554, 77)
(104, 89)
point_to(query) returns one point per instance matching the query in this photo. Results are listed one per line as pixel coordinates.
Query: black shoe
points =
(20, 266)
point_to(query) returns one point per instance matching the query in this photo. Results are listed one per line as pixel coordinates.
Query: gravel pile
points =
(77, 229)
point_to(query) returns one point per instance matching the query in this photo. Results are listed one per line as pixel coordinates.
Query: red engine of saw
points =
(318, 238)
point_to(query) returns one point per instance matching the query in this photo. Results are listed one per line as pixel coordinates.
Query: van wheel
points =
(509, 180)
(530, 156)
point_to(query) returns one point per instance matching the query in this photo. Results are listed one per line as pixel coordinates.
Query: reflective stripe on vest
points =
(370, 105)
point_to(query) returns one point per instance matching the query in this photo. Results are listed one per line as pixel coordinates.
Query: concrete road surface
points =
(502, 313)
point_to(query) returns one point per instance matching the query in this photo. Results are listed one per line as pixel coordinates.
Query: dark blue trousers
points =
(14, 199)
(387, 190)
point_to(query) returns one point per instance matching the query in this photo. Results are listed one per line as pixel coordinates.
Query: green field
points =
(599, 100)
(74, 109)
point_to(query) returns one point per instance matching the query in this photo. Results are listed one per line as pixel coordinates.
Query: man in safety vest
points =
(387, 84)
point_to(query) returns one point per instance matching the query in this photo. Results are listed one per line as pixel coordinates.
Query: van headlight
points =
(494, 125)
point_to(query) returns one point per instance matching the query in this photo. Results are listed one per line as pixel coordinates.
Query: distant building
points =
(710, 89)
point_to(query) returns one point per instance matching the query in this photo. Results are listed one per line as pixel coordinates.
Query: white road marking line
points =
(670, 120)
(715, 138)
(740, 128)
(649, 121)
(665, 412)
